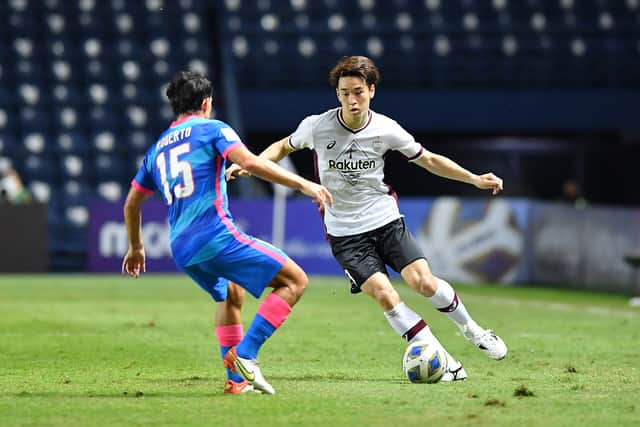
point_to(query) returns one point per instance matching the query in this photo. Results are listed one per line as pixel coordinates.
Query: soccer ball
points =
(424, 362)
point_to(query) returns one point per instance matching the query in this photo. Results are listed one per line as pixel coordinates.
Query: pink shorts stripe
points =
(140, 188)
(229, 335)
(274, 309)
(232, 229)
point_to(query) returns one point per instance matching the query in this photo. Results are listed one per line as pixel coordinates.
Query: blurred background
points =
(544, 93)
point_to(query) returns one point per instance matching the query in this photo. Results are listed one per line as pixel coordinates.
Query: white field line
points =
(558, 306)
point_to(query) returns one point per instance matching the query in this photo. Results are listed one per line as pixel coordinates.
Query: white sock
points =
(446, 301)
(409, 325)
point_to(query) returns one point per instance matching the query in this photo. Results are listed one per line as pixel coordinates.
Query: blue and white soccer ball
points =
(424, 362)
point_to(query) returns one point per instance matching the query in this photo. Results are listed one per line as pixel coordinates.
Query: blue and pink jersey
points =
(186, 166)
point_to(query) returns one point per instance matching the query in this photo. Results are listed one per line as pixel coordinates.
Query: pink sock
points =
(274, 309)
(229, 335)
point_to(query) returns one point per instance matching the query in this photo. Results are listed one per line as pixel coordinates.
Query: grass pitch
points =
(109, 350)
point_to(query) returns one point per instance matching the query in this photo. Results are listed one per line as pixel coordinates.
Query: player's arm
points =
(275, 152)
(134, 261)
(447, 168)
(266, 169)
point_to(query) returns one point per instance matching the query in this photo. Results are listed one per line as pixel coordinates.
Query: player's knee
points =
(300, 282)
(387, 296)
(293, 278)
(234, 302)
(427, 284)
(235, 296)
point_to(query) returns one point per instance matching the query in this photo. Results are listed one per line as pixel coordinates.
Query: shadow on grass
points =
(334, 377)
(134, 394)
(329, 377)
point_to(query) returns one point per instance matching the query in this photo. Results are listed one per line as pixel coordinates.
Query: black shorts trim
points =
(362, 255)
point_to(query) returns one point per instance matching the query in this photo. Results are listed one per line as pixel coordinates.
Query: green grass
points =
(107, 350)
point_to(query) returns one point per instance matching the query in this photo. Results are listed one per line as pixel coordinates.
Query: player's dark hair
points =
(355, 66)
(187, 91)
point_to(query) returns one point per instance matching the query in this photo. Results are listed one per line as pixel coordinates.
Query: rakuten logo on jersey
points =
(352, 165)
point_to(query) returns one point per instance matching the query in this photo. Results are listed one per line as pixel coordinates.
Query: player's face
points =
(354, 96)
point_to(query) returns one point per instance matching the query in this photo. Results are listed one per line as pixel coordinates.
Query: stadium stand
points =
(440, 44)
(81, 97)
(81, 81)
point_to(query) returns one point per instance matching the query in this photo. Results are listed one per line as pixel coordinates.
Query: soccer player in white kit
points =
(365, 228)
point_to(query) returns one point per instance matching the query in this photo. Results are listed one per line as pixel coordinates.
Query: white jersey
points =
(350, 164)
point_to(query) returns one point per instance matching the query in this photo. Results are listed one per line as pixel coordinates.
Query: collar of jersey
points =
(344, 125)
(182, 120)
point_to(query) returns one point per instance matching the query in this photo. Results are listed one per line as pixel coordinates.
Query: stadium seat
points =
(111, 167)
(73, 143)
(40, 168)
(9, 147)
(111, 190)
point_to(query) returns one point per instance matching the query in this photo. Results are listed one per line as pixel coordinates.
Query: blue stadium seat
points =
(76, 167)
(40, 167)
(73, 142)
(111, 190)
(9, 146)
(111, 167)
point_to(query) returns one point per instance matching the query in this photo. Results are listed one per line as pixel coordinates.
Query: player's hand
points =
(318, 193)
(134, 262)
(488, 181)
(233, 171)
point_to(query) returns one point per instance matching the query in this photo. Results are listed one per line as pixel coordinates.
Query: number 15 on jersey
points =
(180, 172)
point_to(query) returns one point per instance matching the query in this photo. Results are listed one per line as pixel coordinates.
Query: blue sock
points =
(257, 334)
(233, 376)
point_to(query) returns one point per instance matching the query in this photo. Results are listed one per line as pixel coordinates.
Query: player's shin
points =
(271, 314)
(447, 301)
(408, 324)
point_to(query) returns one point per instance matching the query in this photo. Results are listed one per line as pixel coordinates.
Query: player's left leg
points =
(229, 331)
(402, 253)
(444, 298)
(255, 265)
(230, 298)
(406, 322)
(289, 285)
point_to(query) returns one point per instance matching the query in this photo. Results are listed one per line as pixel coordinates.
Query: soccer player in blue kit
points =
(187, 167)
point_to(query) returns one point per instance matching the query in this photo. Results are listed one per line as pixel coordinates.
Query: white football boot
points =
(249, 369)
(487, 341)
(455, 371)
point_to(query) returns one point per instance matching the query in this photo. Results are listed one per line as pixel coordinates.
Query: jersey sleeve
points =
(303, 135)
(225, 139)
(402, 141)
(143, 181)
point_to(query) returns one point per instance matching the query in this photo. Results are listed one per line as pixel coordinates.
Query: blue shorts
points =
(247, 261)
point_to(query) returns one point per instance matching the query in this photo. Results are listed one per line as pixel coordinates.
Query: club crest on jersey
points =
(377, 145)
(352, 162)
